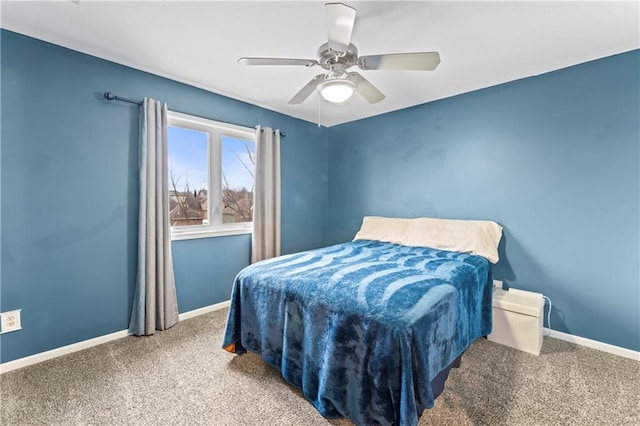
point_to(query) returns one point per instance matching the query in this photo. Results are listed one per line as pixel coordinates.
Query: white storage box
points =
(517, 319)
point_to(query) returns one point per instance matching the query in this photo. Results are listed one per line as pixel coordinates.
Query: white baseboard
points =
(594, 344)
(74, 347)
(204, 310)
(64, 350)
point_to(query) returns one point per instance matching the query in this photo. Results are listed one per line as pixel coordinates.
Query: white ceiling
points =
(481, 43)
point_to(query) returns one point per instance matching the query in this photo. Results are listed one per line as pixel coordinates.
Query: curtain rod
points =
(111, 97)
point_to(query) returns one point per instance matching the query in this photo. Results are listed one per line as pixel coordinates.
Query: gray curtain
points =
(155, 306)
(266, 207)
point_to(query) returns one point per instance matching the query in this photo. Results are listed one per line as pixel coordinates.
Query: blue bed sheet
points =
(362, 327)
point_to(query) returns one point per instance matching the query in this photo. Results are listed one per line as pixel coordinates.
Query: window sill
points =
(192, 235)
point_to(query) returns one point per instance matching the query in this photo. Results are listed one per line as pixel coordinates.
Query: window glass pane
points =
(188, 171)
(238, 171)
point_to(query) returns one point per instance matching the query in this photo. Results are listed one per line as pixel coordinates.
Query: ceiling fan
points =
(337, 84)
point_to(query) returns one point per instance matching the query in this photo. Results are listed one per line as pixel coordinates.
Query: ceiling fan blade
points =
(277, 61)
(366, 89)
(340, 21)
(419, 61)
(307, 90)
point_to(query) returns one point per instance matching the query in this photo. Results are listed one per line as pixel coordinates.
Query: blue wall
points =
(553, 158)
(70, 185)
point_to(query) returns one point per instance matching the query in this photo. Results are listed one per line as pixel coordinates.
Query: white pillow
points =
(479, 237)
(386, 229)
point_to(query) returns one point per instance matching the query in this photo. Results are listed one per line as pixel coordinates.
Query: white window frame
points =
(216, 131)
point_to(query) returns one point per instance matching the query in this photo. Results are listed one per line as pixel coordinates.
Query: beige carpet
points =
(182, 377)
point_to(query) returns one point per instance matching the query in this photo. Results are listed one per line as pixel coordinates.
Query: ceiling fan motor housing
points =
(329, 58)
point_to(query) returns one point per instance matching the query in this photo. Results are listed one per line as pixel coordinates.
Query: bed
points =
(367, 329)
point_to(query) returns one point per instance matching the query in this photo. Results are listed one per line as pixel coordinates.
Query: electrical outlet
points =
(497, 285)
(10, 321)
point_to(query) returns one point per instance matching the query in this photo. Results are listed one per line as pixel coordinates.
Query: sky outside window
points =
(188, 160)
(238, 162)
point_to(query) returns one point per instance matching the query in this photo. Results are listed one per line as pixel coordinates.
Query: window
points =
(211, 177)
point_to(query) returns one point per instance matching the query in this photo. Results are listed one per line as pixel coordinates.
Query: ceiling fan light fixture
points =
(337, 91)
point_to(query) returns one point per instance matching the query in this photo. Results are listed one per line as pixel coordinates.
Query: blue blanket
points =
(362, 327)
